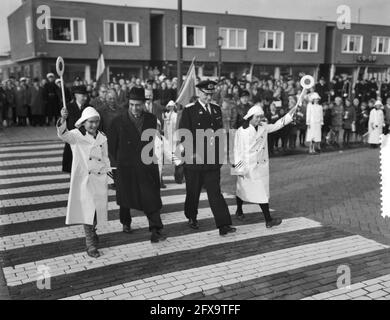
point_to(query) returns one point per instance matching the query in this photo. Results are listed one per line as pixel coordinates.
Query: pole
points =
(179, 42)
(219, 61)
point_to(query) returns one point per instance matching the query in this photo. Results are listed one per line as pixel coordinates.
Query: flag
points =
(188, 89)
(100, 63)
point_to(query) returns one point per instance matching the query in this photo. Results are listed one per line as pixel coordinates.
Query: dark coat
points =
(74, 114)
(36, 101)
(52, 99)
(349, 116)
(137, 183)
(21, 97)
(194, 117)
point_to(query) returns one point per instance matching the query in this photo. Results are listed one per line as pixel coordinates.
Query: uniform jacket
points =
(195, 117)
(36, 101)
(88, 182)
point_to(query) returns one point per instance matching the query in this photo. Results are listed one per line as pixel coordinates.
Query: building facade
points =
(136, 39)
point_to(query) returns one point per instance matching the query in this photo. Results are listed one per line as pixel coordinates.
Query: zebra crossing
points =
(299, 259)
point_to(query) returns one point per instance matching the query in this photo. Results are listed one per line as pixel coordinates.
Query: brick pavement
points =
(332, 217)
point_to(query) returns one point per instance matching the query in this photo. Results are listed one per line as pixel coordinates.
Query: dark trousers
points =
(154, 218)
(347, 136)
(211, 180)
(264, 208)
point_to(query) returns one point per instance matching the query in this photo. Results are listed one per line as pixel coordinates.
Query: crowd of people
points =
(346, 108)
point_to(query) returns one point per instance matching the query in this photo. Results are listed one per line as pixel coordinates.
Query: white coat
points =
(170, 135)
(376, 123)
(251, 147)
(314, 121)
(88, 181)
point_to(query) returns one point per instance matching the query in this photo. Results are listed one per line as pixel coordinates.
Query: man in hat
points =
(242, 108)
(322, 89)
(203, 171)
(51, 99)
(75, 109)
(137, 183)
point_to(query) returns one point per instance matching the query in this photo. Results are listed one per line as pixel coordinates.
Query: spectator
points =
(387, 116)
(314, 122)
(349, 120)
(51, 100)
(337, 119)
(362, 121)
(376, 123)
(37, 104)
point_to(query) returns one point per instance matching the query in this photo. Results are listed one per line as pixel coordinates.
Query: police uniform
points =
(203, 171)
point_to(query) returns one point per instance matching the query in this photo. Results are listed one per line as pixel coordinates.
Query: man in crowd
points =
(75, 109)
(52, 100)
(100, 101)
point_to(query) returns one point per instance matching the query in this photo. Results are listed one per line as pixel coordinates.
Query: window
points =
(67, 30)
(28, 30)
(306, 41)
(351, 43)
(271, 40)
(233, 38)
(193, 36)
(121, 33)
(380, 45)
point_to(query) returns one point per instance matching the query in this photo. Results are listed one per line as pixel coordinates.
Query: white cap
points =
(50, 75)
(378, 103)
(58, 81)
(314, 96)
(88, 113)
(255, 110)
(171, 103)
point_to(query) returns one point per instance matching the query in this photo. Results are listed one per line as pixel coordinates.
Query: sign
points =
(366, 59)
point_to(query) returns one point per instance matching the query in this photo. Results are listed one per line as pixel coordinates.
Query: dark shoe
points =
(127, 229)
(274, 222)
(193, 224)
(157, 236)
(93, 253)
(240, 215)
(163, 186)
(226, 229)
(162, 236)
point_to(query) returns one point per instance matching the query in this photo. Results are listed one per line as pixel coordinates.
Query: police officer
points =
(204, 170)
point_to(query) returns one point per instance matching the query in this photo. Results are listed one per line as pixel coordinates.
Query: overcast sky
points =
(371, 11)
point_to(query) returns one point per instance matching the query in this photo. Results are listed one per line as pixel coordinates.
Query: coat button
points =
(89, 172)
(90, 159)
(100, 160)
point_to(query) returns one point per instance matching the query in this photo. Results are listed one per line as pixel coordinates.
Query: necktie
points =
(208, 109)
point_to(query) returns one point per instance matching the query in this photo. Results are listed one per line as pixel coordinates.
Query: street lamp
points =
(219, 44)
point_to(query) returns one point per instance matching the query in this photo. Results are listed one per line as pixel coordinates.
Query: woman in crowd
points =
(376, 123)
(251, 163)
(314, 122)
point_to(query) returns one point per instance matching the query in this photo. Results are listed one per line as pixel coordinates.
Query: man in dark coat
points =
(322, 89)
(75, 108)
(137, 183)
(51, 99)
(204, 170)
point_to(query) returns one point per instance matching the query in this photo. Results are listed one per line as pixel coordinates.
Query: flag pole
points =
(179, 42)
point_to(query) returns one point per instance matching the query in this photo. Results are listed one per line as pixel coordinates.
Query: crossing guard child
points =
(88, 195)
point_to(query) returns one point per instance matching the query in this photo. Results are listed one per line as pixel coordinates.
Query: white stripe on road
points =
(181, 283)
(29, 170)
(41, 159)
(35, 178)
(74, 232)
(111, 205)
(65, 185)
(32, 147)
(25, 273)
(20, 217)
(37, 154)
(378, 288)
